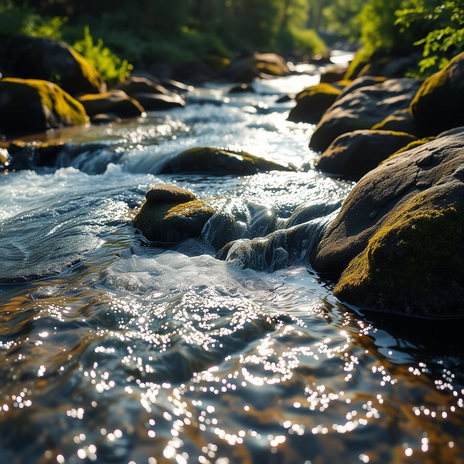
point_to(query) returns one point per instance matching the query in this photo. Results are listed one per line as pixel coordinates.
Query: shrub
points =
(112, 68)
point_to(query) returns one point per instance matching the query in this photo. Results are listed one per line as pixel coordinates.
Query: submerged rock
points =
(313, 102)
(354, 154)
(438, 104)
(48, 59)
(218, 161)
(32, 105)
(115, 102)
(363, 107)
(399, 233)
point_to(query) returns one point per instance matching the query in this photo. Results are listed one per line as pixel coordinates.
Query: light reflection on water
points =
(136, 354)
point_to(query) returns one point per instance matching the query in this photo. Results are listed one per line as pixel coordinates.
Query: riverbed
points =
(113, 350)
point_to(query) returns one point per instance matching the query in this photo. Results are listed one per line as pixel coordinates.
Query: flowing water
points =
(114, 351)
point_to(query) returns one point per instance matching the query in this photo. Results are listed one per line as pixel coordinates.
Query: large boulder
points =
(32, 105)
(414, 263)
(354, 154)
(399, 121)
(438, 104)
(385, 191)
(115, 102)
(219, 161)
(363, 107)
(312, 102)
(51, 60)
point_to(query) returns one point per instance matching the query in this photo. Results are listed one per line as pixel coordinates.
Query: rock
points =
(249, 68)
(172, 214)
(158, 102)
(135, 84)
(438, 104)
(352, 155)
(115, 102)
(51, 60)
(333, 75)
(218, 161)
(414, 263)
(362, 108)
(399, 121)
(313, 102)
(32, 105)
(169, 195)
(364, 81)
(101, 119)
(384, 191)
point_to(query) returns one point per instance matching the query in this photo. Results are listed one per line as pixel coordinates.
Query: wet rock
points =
(104, 118)
(414, 263)
(354, 154)
(135, 84)
(218, 161)
(115, 102)
(362, 108)
(47, 59)
(32, 105)
(313, 102)
(158, 102)
(438, 104)
(381, 193)
(173, 214)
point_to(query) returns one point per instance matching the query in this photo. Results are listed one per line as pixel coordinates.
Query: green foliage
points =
(443, 37)
(20, 19)
(341, 18)
(112, 68)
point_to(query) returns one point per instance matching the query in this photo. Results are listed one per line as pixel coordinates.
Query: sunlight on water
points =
(115, 351)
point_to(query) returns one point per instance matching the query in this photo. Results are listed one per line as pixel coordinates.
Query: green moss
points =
(410, 146)
(414, 263)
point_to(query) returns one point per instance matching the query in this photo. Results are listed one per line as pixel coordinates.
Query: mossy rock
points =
(313, 102)
(438, 104)
(172, 214)
(218, 161)
(51, 60)
(115, 102)
(414, 263)
(399, 121)
(32, 105)
(362, 108)
(382, 192)
(354, 154)
(247, 69)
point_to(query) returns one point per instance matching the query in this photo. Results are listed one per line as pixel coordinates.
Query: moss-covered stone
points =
(51, 60)
(115, 102)
(172, 214)
(32, 105)
(313, 102)
(354, 154)
(381, 192)
(247, 69)
(414, 263)
(135, 84)
(438, 104)
(220, 161)
(158, 102)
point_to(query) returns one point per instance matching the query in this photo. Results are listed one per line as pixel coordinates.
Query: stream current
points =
(114, 351)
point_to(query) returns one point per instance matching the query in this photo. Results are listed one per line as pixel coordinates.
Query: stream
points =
(115, 351)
